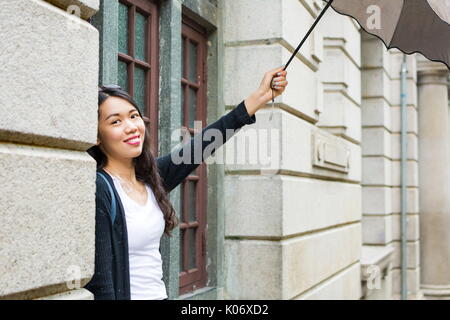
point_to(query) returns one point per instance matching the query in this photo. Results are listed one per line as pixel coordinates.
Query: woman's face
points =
(121, 129)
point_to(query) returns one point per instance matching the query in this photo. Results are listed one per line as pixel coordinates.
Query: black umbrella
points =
(411, 26)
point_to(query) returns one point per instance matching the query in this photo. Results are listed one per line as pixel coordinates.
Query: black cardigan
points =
(111, 279)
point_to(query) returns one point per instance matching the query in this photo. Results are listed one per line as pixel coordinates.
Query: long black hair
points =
(145, 164)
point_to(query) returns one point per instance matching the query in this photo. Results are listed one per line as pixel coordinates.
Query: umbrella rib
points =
(309, 32)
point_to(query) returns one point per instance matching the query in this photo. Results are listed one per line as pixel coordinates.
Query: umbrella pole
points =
(298, 48)
(309, 32)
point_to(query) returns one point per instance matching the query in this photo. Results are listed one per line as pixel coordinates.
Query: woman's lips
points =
(134, 141)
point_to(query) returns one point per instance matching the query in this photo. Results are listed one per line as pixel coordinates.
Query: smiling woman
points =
(124, 156)
(132, 204)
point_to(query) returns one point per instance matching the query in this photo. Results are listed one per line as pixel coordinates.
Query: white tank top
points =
(145, 226)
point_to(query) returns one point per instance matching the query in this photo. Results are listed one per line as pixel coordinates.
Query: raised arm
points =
(176, 166)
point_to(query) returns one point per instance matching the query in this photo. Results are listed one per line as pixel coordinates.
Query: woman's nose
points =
(131, 127)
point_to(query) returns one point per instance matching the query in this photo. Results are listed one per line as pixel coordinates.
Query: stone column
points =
(434, 175)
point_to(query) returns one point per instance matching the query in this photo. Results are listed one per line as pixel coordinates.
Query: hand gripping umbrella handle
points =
(298, 48)
(309, 32)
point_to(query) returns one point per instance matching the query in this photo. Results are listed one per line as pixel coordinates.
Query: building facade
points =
(304, 205)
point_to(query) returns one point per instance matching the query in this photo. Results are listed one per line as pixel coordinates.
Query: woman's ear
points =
(98, 142)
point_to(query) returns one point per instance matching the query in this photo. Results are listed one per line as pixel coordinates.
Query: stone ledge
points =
(435, 292)
(206, 293)
(80, 294)
(87, 7)
(416, 296)
(204, 9)
(379, 256)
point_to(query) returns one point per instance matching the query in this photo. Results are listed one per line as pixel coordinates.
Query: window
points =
(138, 45)
(193, 189)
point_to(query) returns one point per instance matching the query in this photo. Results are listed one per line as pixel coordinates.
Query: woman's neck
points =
(124, 170)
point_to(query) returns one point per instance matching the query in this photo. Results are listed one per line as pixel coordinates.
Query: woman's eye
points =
(133, 116)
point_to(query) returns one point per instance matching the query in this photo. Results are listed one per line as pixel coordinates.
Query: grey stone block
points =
(291, 266)
(377, 230)
(51, 63)
(343, 286)
(283, 205)
(47, 221)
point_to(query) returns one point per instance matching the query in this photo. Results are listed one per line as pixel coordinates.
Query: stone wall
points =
(293, 228)
(381, 149)
(48, 103)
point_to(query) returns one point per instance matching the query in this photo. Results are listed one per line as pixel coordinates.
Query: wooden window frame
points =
(193, 279)
(150, 9)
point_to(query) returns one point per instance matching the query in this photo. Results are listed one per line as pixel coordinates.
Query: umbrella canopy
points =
(409, 25)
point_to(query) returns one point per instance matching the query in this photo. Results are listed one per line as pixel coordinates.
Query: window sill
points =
(207, 293)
